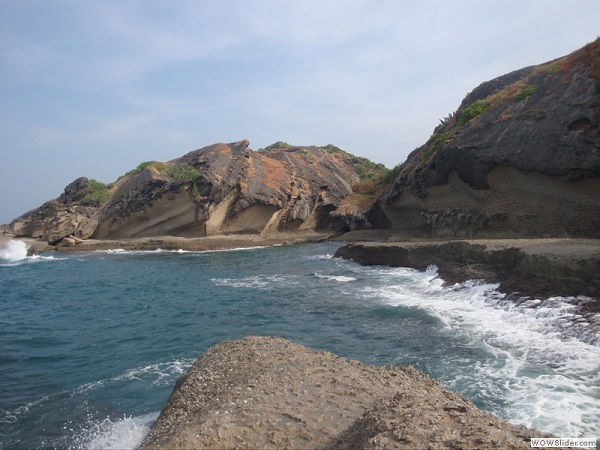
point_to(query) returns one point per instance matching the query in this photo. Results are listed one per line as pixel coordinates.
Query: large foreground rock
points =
(265, 392)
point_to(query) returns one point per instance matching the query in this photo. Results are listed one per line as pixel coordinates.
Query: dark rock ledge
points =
(528, 267)
(266, 392)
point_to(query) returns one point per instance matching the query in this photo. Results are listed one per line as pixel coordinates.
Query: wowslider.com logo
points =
(564, 442)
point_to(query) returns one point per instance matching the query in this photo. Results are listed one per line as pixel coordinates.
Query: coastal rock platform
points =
(530, 267)
(267, 392)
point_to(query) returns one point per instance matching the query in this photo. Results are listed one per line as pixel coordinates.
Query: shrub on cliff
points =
(472, 111)
(99, 194)
(182, 172)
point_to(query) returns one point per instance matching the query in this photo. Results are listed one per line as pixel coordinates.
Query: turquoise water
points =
(92, 344)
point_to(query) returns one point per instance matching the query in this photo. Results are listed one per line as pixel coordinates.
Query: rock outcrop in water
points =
(520, 157)
(265, 392)
(534, 267)
(219, 189)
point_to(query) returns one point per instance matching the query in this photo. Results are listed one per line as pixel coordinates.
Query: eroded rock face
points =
(219, 189)
(236, 190)
(62, 217)
(263, 392)
(521, 156)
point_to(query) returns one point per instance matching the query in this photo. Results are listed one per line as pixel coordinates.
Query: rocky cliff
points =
(519, 157)
(219, 189)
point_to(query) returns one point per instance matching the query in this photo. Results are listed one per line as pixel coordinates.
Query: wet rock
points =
(535, 267)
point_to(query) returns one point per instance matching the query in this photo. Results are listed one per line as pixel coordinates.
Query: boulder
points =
(266, 392)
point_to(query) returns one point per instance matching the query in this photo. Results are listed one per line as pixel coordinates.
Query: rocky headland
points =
(520, 157)
(222, 189)
(267, 392)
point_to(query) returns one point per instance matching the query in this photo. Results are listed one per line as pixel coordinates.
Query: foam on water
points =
(545, 357)
(125, 433)
(14, 251)
(256, 282)
(340, 278)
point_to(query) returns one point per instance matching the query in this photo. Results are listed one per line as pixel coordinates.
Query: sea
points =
(91, 344)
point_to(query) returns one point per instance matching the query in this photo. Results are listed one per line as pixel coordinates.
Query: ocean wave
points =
(340, 278)
(256, 282)
(124, 433)
(544, 357)
(14, 253)
(158, 374)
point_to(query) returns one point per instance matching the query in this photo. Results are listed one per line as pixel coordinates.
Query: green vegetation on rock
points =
(159, 166)
(186, 173)
(100, 192)
(332, 149)
(526, 92)
(472, 111)
(393, 173)
(446, 120)
(279, 145)
(183, 172)
(437, 144)
(367, 169)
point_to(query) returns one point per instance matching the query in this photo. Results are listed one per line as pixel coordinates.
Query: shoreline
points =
(524, 266)
(216, 242)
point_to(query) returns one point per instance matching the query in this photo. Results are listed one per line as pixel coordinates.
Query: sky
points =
(95, 87)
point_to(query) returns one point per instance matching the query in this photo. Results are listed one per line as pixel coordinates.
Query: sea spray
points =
(13, 251)
(125, 433)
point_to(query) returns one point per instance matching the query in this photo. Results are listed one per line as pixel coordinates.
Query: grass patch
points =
(279, 145)
(392, 174)
(333, 149)
(99, 194)
(472, 111)
(526, 92)
(186, 173)
(437, 144)
(159, 166)
(183, 172)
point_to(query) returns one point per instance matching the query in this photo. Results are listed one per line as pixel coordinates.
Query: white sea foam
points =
(161, 373)
(256, 282)
(125, 433)
(545, 358)
(340, 278)
(121, 251)
(236, 249)
(14, 251)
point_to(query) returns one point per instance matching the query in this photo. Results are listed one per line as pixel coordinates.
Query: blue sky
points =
(92, 88)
